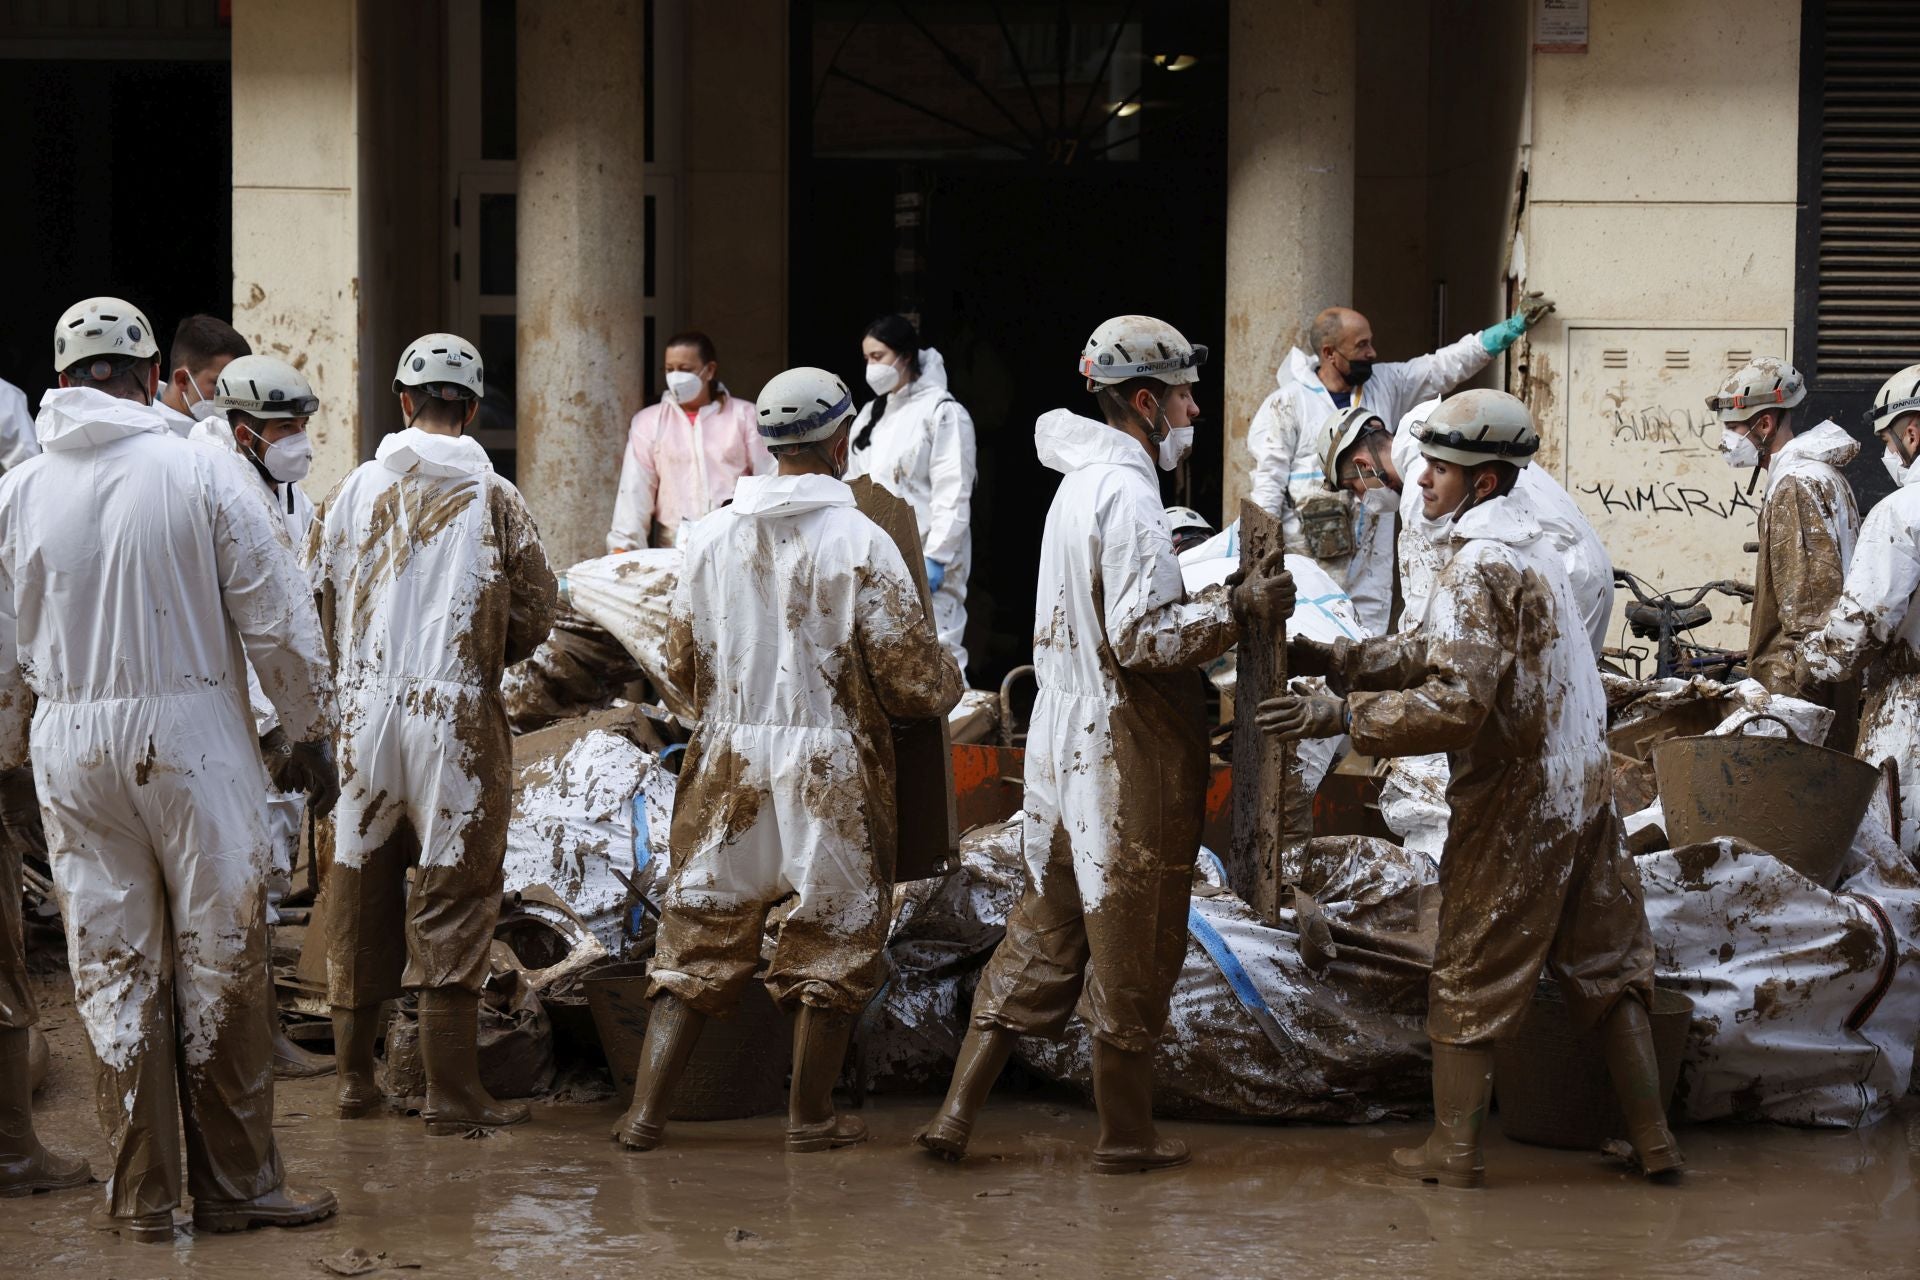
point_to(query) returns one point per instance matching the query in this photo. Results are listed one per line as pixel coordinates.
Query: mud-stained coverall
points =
(139, 578)
(1116, 754)
(1875, 628)
(1500, 675)
(431, 580)
(1808, 525)
(800, 631)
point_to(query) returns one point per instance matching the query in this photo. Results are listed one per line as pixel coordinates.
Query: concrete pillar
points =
(579, 352)
(1289, 195)
(296, 219)
(736, 202)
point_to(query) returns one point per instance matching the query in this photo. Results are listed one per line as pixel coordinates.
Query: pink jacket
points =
(675, 471)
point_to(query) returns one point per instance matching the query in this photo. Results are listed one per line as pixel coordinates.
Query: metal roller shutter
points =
(1868, 238)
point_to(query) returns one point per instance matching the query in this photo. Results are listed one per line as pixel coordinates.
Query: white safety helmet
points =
(1140, 347)
(1899, 395)
(1479, 426)
(265, 387)
(802, 406)
(1339, 433)
(102, 328)
(1766, 382)
(443, 364)
(1180, 519)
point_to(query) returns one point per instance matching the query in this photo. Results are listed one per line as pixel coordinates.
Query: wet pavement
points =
(557, 1199)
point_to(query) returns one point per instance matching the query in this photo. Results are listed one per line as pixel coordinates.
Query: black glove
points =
(1292, 717)
(1310, 657)
(276, 751)
(311, 770)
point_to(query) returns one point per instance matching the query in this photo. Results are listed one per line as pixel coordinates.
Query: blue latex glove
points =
(936, 574)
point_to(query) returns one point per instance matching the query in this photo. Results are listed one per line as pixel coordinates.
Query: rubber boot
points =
(1627, 1038)
(354, 1033)
(284, 1206)
(141, 1228)
(290, 1061)
(26, 1167)
(820, 1039)
(673, 1028)
(457, 1103)
(1462, 1087)
(983, 1056)
(1123, 1094)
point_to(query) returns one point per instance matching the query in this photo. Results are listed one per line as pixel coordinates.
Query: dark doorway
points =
(122, 184)
(1015, 174)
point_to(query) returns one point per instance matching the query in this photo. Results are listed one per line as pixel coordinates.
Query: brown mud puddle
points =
(556, 1199)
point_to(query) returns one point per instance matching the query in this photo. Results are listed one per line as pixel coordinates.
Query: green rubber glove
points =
(1533, 308)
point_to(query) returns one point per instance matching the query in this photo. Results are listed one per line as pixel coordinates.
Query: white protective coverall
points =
(1873, 632)
(921, 449)
(676, 469)
(800, 630)
(432, 581)
(17, 442)
(1425, 550)
(1284, 439)
(284, 808)
(140, 578)
(1116, 754)
(180, 425)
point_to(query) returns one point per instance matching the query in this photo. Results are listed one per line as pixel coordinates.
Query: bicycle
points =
(1662, 617)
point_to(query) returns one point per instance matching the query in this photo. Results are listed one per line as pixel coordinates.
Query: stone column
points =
(1290, 169)
(296, 218)
(579, 351)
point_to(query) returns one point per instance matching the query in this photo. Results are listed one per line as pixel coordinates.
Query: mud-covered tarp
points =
(1254, 1031)
(600, 805)
(1806, 1002)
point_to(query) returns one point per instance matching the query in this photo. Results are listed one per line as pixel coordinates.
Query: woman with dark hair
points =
(916, 441)
(684, 454)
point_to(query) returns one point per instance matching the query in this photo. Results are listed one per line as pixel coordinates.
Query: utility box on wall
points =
(1640, 453)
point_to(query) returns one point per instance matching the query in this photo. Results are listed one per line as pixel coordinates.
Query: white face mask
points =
(1176, 444)
(289, 460)
(203, 409)
(1900, 471)
(1379, 499)
(1738, 451)
(883, 377)
(683, 386)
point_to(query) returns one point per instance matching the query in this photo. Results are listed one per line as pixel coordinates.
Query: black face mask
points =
(1358, 371)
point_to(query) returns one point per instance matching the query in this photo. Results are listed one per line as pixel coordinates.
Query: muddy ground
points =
(557, 1199)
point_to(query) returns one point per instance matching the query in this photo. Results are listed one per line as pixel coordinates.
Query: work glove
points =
(311, 770)
(1308, 657)
(1533, 308)
(936, 574)
(276, 752)
(1267, 597)
(1293, 716)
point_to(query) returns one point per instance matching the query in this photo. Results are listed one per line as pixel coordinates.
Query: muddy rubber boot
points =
(457, 1103)
(354, 1034)
(673, 1028)
(291, 1062)
(284, 1206)
(1123, 1094)
(983, 1055)
(1627, 1038)
(1462, 1087)
(819, 1051)
(141, 1228)
(26, 1167)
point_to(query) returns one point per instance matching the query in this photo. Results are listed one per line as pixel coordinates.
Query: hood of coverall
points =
(414, 450)
(1299, 366)
(933, 373)
(1511, 520)
(789, 495)
(87, 417)
(1066, 442)
(1828, 443)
